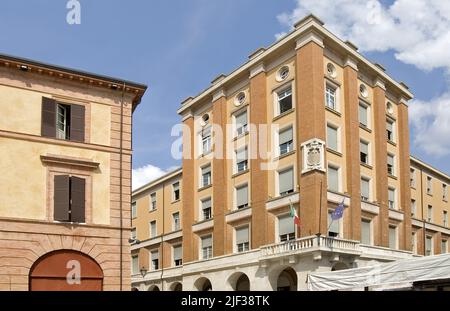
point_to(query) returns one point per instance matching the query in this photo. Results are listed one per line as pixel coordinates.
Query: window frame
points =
(394, 204)
(151, 229)
(339, 177)
(337, 128)
(392, 137)
(335, 88)
(209, 249)
(368, 156)
(237, 130)
(153, 202)
(202, 210)
(291, 145)
(236, 188)
(276, 99)
(369, 181)
(246, 164)
(368, 114)
(392, 170)
(280, 171)
(174, 223)
(246, 247)
(174, 196)
(202, 177)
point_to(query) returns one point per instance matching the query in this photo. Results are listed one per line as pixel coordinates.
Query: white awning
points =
(385, 274)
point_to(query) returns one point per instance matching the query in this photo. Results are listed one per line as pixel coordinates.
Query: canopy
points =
(384, 274)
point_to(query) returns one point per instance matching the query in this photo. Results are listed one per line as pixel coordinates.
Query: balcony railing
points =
(310, 243)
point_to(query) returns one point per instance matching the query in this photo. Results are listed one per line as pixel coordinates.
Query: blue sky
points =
(177, 47)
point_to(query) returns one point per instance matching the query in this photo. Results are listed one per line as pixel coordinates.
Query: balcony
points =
(311, 244)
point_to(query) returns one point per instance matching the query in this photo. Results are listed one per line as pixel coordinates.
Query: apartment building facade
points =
(304, 125)
(65, 186)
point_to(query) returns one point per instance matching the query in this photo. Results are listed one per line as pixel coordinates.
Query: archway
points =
(153, 288)
(239, 282)
(203, 284)
(339, 266)
(176, 287)
(65, 270)
(287, 280)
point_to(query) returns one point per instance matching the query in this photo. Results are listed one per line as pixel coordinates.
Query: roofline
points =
(429, 167)
(165, 177)
(310, 22)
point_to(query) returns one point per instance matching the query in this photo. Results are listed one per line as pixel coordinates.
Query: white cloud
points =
(418, 31)
(146, 174)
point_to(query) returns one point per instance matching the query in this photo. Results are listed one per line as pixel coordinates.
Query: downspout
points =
(120, 185)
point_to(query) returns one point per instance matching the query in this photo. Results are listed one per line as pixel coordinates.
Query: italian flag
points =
(294, 215)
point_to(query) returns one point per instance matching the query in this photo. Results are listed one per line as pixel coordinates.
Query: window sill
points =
(175, 201)
(241, 135)
(392, 143)
(366, 165)
(152, 210)
(240, 173)
(392, 176)
(284, 155)
(333, 111)
(283, 114)
(204, 154)
(334, 152)
(365, 128)
(204, 187)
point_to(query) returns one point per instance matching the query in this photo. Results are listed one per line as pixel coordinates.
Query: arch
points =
(287, 280)
(203, 284)
(176, 287)
(65, 270)
(239, 281)
(153, 288)
(339, 266)
(134, 289)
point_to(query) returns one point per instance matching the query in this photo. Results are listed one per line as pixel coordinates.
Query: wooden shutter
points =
(77, 191)
(48, 119)
(77, 122)
(61, 198)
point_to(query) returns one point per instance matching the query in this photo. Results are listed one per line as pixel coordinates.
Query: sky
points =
(177, 47)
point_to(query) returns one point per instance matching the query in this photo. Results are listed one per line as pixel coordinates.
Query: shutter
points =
(285, 225)
(77, 189)
(365, 232)
(362, 115)
(135, 265)
(365, 188)
(389, 126)
(286, 180)
(241, 119)
(155, 255)
(285, 136)
(241, 155)
(242, 195)
(207, 241)
(206, 169)
(48, 121)
(392, 237)
(177, 252)
(391, 194)
(333, 183)
(61, 198)
(334, 225)
(332, 137)
(206, 203)
(364, 148)
(390, 160)
(242, 235)
(77, 123)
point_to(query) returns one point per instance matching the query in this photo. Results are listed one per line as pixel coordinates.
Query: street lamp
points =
(143, 271)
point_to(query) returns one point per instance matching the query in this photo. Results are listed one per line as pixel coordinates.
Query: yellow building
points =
(65, 181)
(307, 122)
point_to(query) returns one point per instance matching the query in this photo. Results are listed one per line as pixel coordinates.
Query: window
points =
(364, 152)
(284, 99)
(286, 181)
(69, 199)
(393, 237)
(242, 239)
(333, 226)
(390, 130)
(241, 160)
(444, 248)
(206, 209)
(62, 121)
(414, 242)
(177, 255)
(332, 137)
(413, 208)
(391, 198)
(133, 210)
(206, 176)
(135, 264)
(285, 140)
(363, 115)
(176, 191)
(155, 260)
(366, 237)
(241, 123)
(330, 97)
(429, 185)
(430, 213)
(365, 189)
(333, 178)
(133, 233)
(445, 218)
(153, 201)
(242, 197)
(206, 140)
(283, 73)
(153, 229)
(176, 221)
(444, 192)
(206, 247)
(428, 245)
(390, 165)
(286, 228)
(412, 178)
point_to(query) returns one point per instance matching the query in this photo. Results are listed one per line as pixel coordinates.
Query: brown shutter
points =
(77, 192)
(48, 121)
(77, 123)
(61, 198)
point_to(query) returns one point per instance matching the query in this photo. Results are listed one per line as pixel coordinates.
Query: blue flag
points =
(338, 212)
